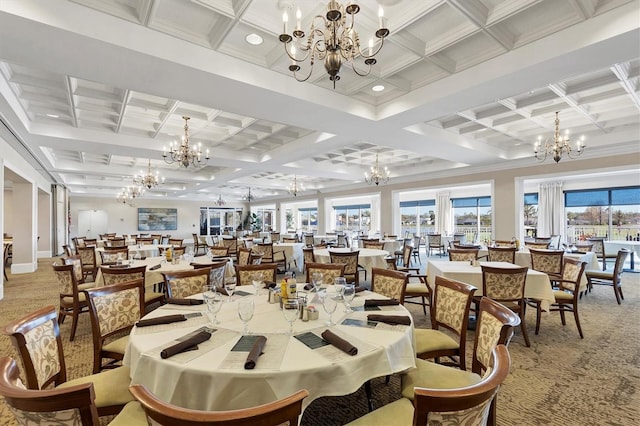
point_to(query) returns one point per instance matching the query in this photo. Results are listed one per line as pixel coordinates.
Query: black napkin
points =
(308, 286)
(177, 301)
(390, 319)
(143, 258)
(381, 302)
(189, 343)
(153, 268)
(339, 342)
(118, 266)
(255, 352)
(269, 284)
(167, 319)
(359, 289)
(222, 290)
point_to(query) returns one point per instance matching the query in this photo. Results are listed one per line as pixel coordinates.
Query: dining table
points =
(143, 250)
(613, 246)
(293, 252)
(537, 284)
(367, 258)
(214, 377)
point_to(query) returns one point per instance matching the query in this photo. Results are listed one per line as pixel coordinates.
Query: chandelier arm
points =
(372, 54)
(361, 74)
(295, 75)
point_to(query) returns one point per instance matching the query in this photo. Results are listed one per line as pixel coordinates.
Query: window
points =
(355, 217)
(472, 217)
(530, 213)
(417, 217)
(263, 219)
(216, 220)
(613, 213)
(308, 219)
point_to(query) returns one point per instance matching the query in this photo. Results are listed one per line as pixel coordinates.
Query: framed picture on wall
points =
(157, 219)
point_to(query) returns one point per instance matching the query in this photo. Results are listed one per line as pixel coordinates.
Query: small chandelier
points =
(332, 41)
(220, 201)
(377, 175)
(295, 187)
(149, 180)
(129, 194)
(248, 197)
(182, 153)
(558, 146)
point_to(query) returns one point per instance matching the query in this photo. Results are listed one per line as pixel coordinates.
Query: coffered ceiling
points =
(96, 88)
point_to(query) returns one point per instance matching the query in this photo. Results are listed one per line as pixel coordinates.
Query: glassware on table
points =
(214, 301)
(230, 286)
(245, 312)
(339, 283)
(256, 280)
(329, 304)
(291, 312)
(317, 278)
(348, 293)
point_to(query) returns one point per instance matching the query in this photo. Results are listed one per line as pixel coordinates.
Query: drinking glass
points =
(213, 299)
(256, 280)
(329, 303)
(291, 311)
(230, 286)
(317, 278)
(348, 293)
(339, 283)
(245, 312)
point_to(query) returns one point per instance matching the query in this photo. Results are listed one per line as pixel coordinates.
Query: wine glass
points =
(329, 303)
(256, 280)
(213, 299)
(348, 293)
(317, 278)
(245, 312)
(230, 286)
(339, 283)
(291, 312)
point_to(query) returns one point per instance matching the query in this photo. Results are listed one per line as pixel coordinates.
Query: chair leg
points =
(562, 319)
(74, 325)
(523, 327)
(575, 315)
(538, 315)
(618, 292)
(368, 392)
(424, 305)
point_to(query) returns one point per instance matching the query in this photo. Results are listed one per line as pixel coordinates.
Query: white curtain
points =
(443, 213)
(551, 218)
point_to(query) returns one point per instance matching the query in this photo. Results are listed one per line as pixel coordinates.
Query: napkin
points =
(167, 319)
(390, 319)
(359, 289)
(255, 353)
(308, 286)
(381, 302)
(269, 284)
(222, 290)
(153, 268)
(339, 342)
(143, 258)
(177, 301)
(189, 343)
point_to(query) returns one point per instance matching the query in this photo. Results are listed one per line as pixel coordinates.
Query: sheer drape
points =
(551, 218)
(443, 213)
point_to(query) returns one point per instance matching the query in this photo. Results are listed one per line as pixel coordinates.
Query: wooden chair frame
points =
(381, 272)
(614, 280)
(179, 275)
(77, 306)
(320, 267)
(434, 242)
(216, 269)
(351, 275)
(263, 267)
(509, 252)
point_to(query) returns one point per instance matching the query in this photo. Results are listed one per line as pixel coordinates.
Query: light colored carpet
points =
(560, 380)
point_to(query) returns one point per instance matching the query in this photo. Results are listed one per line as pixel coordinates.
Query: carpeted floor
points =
(560, 380)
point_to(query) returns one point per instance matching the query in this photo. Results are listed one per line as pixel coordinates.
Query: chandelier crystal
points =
(220, 201)
(149, 180)
(182, 153)
(295, 187)
(248, 197)
(557, 146)
(333, 39)
(377, 174)
(129, 194)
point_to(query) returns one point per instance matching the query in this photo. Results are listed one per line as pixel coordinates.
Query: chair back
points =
(542, 240)
(244, 274)
(619, 266)
(275, 237)
(287, 410)
(178, 251)
(584, 248)
(547, 261)
(231, 243)
(145, 240)
(407, 250)
(113, 254)
(536, 245)
(504, 243)
(598, 245)
(376, 245)
(463, 255)
(469, 405)
(460, 237)
(74, 405)
(342, 240)
(350, 260)
(36, 338)
(176, 241)
(308, 256)
(502, 254)
(504, 284)
(329, 271)
(450, 308)
(67, 250)
(88, 259)
(434, 240)
(572, 270)
(244, 256)
(495, 326)
(66, 276)
(217, 271)
(77, 267)
(219, 251)
(289, 240)
(391, 284)
(308, 240)
(266, 250)
(181, 284)
(116, 242)
(112, 276)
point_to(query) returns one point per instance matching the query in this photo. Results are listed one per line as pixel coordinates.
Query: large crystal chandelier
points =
(332, 38)
(558, 145)
(377, 174)
(182, 153)
(149, 180)
(295, 187)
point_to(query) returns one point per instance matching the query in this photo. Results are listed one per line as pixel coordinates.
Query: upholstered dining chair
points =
(329, 271)
(308, 256)
(244, 274)
(465, 405)
(36, 338)
(389, 283)
(176, 242)
(417, 287)
(287, 410)
(113, 276)
(376, 245)
(89, 263)
(599, 250)
(350, 260)
(450, 312)
(217, 271)
(144, 240)
(504, 243)
(308, 240)
(271, 255)
(535, 245)
(434, 242)
(506, 285)
(566, 297)
(463, 255)
(199, 244)
(114, 309)
(547, 261)
(289, 240)
(612, 279)
(181, 284)
(219, 251)
(111, 255)
(502, 254)
(116, 242)
(232, 244)
(274, 236)
(72, 300)
(244, 256)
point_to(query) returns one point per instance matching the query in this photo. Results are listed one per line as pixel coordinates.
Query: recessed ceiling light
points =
(254, 39)
(378, 88)
(53, 116)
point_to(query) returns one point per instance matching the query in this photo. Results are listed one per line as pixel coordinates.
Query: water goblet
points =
(230, 286)
(329, 303)
(214, 301)
(291, 312)
(317, 278)
(256, 280)
(348, 293)
(245, 312)
(339, 283)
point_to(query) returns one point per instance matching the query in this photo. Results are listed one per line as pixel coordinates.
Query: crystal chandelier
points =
(248, 197)
(149, 180)
(129, 194)
(295, 187)
(557, 146)
(220, 201)
(377, 175)
(332, 38)
(182, 153)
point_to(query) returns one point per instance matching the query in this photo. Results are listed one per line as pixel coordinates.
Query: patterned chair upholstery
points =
(110, 257)
(232, 244)
(434, 242)
(308, 256)
(308, 240)
(599, 250)
(391, 284)
(245, 274)
(219, 251)
(289, 239)
(89, 264)
(547, 261)
(504, 243)
(217, 271)
(376, 245)
(506, 285)
(449, 311)
(502, 254)
(114, 309)
(270, 255)
(116, 242)
(535, 245)
(244, 256)
(613, 279)
(113, 276)
(417, 286)
(36, 338)
(181, 284)
(350, 260)
(72, 299)
(463, 255)
(176, 242)
(329, 271)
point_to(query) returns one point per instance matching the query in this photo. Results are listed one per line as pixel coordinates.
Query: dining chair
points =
(275, 237)
(176, 242)
(434, 242)
(463, 255)
(67, 250)
(114, 309)
(547, 261)
(450, 312)
(116, 242)
(245, 274)
(5, 257)
(376, 245)
(350, 260)
(112, 276)
(566, 297)
(72, 301)
(270, 255)
(219, 251)
(612, 279)
(287, 410)
(144, 240)
(582, 247)
(230, 243)
(417, 286)
(89, 264)
(389, 283)
(199, 244)
(308, 256)
(244, 256)
(217, 271)
(111, 255)
(308, 240)
(502, 254)
(599, 250)
(506, 285)
(289, 240)
(329, 271)
(400, 253)
(36, 338)
(536, 245)
(464, 405)
(181, 284)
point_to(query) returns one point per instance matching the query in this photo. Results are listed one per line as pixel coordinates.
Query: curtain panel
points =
(443, 213)
(551, 217)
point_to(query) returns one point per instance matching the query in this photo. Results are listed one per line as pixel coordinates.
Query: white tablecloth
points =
(614, 245)
(537, 284)
(367, 258)
(293, 252)
(146, 250)
(202, 383)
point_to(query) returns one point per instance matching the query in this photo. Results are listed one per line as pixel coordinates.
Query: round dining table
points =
(214, 377)
(367, 258)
